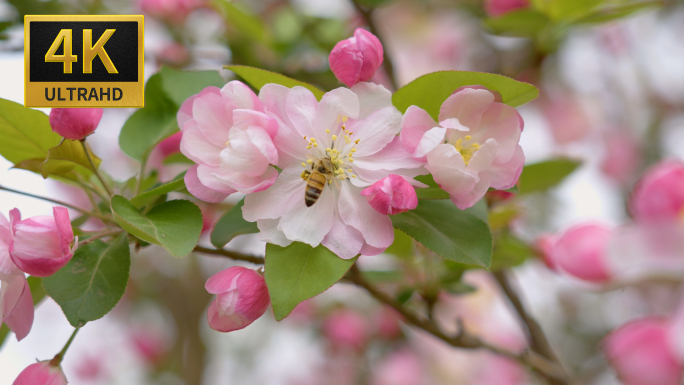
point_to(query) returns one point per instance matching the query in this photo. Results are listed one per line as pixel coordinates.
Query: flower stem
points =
(95, 170)
(97, 236)
(57, 360)
(141, 176)
(84, 211)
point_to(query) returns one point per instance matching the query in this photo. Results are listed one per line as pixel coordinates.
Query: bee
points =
(321, 172)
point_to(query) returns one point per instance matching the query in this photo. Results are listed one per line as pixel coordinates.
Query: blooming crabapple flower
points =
(659, 194)
(75, 123)
(641, 354)
(356, 59)
(499, 7)
(472, 148)
(356, 130)
(42, 245)
(582, 251)
(41, 373)
(346, 329)
(242, 297)
(16, 303)
(228, 135)
(391, 195)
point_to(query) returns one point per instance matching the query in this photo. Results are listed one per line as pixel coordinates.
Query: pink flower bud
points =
(499, 7)
(391, 195)
(401, 367)
(346, 329)
(640, 354)
(388, 322)
(544, 246)
(356, 59)
(170, 145)
(41, 373)
(242, 298)
(581, 252)
(75, 123)
(659, 195)
(42, 245)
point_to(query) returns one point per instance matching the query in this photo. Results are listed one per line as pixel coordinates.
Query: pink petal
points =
(429, 141)
(224, 280)
(238, 95)
(391, 157)
(505, 175)
(226, 323)
(272, 203)
(185, 112)
(301, 106)
(355, 210)
(41, 373)
(483, 157)
(582, 252)
(215, 178)
(20, 318)
(334, 105)
(449, 171)
(268, 232)
(343, 240)
(254, 299)
(414, 124)
(502, 123)
(346, 63)
(372, 51)
(211, 116)
(197, 148)
(376, 131)
(242, 155)
(66, 233)
(372, 97)
(467, 106)
(308, 224)
(200, 191)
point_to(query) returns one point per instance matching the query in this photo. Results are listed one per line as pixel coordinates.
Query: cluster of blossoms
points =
(648, 350)
(366, 155)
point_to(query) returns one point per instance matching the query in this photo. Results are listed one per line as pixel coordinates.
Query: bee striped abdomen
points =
(314, 188)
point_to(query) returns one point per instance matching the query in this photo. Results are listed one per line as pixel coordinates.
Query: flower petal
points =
(372, 97)
(200, 191)
(505, 175)
(308, 224)
(414, 124)
(272, 203)
(357, 212)
(467, 106)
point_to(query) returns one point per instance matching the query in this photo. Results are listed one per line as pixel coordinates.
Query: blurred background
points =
(611, 80)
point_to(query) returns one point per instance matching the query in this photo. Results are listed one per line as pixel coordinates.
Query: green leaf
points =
(509, 251)
(93, 282)
(257, 78)
(180, 85)
(570, 9)
(431, 192)
(175, 225)
(430, 91)
(176, 184)
(525, 23)
(245, 21)
(451, 233)
(402, 246)
(544, 175)
(230, 225)
(150, 125)
(24, 133)
(298, 272)
(68, 156)
(177, 158)
(616, 11)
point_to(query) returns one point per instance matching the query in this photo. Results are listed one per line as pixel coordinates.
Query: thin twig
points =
(387, 61)
(231, 254)
(538, 341)
(95, 237)
(84, 211)
(95, 170)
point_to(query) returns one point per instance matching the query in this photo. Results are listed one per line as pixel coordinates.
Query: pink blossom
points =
(622, 157)
(228, 135)
(388, 322)
(499, 7)
(472, 148)
(391, 195)
(659, 194)
(16, 303)
(641, 355)
(170, 145)
(567, 119)
(356, 59)
(41, 373)
(150, 344)
(42, 245)
(582, 252)
(356, 130)
(242, 297)
(544, 245)
(401, 367)
(346, 329)
(75, 123)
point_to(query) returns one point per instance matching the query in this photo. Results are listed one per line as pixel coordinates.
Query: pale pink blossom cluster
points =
(39, 246)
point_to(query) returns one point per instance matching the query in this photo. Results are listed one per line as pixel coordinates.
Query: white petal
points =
(272, 202)
(309, 224)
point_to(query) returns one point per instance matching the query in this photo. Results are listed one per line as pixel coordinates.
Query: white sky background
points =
(585, 195)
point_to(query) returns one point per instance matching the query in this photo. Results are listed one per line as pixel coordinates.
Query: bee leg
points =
(305, 174)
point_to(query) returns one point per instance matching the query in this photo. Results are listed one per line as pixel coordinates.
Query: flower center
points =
(340, 152)
(467, 150)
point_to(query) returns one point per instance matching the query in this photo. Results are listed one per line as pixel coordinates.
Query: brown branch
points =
(538, 341)
(231, 254)
(387, 61)
(97, 236)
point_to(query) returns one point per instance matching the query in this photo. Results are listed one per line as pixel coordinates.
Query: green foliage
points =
(165, 91)
(616, 11)
(93, 282)
(509, 251)
(244, 21)
(67, 157)
(298, 272)
(257, 78)
(175, 225)
(544, 175)
(230, 225)
(430, 91)
(176, 184)
(451, 233)
(402, 246)
(524, 23)
(24, 133)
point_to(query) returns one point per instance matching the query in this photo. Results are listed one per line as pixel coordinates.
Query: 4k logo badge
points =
(83, 61)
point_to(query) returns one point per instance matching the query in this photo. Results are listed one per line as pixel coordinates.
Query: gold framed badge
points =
(84, 61)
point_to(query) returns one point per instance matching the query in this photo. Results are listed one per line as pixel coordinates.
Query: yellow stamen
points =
(313, 140)
(350, 170)
(353, 176)
(309, 161)
(303, 164)
(334, 137)
(357, 141)
(326, 130)
(315, 144)
(308, 147)
(353, 150)
(468, 137)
